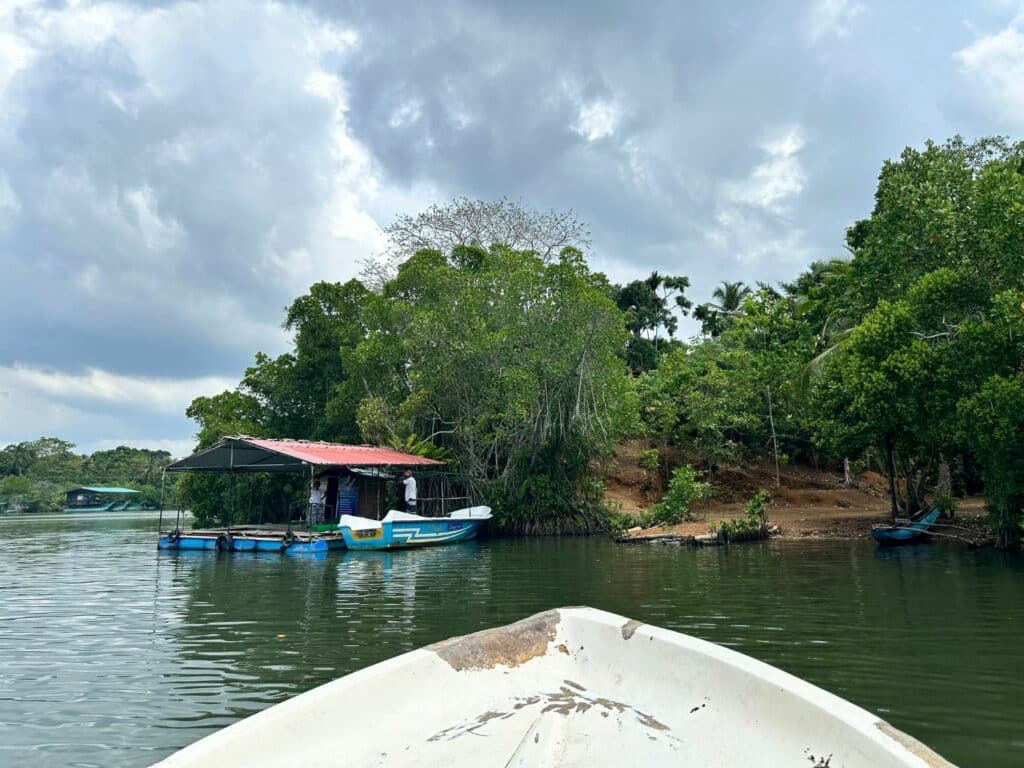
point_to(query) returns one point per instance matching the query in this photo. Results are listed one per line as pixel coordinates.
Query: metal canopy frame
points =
(233, 454)
(243, 454)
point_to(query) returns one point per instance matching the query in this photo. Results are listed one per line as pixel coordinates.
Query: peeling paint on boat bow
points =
(510, 645)
(630, 627)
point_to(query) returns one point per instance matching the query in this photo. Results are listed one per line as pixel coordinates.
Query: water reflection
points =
(113, 654)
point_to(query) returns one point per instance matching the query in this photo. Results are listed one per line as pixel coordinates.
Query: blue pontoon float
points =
(905, 534)
(245, 539)
(355, 480)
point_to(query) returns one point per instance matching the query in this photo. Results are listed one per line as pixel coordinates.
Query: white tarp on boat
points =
(571, 687)
(395, 516)
(357, 523)
(472, 513)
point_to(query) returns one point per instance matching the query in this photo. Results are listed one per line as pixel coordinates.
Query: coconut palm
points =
(730, 297)
(727, 302)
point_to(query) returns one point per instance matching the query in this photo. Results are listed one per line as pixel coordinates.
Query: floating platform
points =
(261, 539)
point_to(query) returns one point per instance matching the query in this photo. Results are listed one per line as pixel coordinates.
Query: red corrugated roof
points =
(335, 454)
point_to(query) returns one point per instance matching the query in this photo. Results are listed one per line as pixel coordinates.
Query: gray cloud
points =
(172, 174)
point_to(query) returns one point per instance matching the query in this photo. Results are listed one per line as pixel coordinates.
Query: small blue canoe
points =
(904, 534)
(401, 530)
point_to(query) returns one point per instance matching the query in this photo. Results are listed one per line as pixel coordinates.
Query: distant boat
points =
(101, 499)
(905, 534)
(401, 530)
(568, 687)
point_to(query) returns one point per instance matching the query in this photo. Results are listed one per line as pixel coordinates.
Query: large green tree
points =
(929, 296)
(511, 364)
(505, 362)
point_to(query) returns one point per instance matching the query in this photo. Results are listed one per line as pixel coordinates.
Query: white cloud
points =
(98, 386)
(753, 239)
(406, 113)
(15, 53)
(597, 120)
(752, 217)
(831, 18)
(110, 409)
(9, 203)
(773, 183)
(158, 233)
(995, 63)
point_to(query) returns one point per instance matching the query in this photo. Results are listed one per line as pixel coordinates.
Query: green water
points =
(113, 655)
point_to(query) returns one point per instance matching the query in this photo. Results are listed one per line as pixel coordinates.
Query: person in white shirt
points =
(410, 491)
(316, 501)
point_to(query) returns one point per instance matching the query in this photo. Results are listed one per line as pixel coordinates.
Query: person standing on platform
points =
(316, 502)
(410, 491)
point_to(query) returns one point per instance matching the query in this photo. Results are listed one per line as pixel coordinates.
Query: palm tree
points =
(831, 320)
(730, 297)
(728, 301)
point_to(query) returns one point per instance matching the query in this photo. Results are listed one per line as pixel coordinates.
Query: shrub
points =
(756, 508)
(648, 459)
(946, 504)
(755, 516)
(623, 521)
(683, 491)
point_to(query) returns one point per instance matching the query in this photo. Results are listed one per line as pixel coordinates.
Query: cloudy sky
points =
(172, 174)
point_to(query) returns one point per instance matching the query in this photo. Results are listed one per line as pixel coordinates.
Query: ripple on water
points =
(113, 655)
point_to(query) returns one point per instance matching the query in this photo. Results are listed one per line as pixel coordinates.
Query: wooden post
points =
(775, 440)
(160, 522)
(891, 470)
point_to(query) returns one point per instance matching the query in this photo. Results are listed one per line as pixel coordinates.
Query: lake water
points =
(114, 655)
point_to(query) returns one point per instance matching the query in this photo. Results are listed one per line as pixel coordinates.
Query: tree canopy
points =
(507, 362)
(35, 475)
(489, 341)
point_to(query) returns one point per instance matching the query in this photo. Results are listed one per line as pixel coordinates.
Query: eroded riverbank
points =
(811, 521)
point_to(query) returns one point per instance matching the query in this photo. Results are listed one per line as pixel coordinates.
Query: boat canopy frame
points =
(241, 453)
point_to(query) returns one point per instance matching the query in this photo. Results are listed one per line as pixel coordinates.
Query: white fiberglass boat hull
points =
(572, 687)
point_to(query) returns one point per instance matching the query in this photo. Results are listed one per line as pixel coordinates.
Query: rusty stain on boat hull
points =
(630, 627)
(510, 645)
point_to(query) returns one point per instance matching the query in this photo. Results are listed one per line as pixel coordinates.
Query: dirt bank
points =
(809, 503)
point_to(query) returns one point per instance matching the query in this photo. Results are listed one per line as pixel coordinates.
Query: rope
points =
(935, 533)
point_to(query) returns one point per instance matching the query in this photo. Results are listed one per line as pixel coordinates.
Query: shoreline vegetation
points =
(35, 475)
(482, 337)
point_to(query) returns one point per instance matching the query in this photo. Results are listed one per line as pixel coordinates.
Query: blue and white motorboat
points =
(402, 530)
